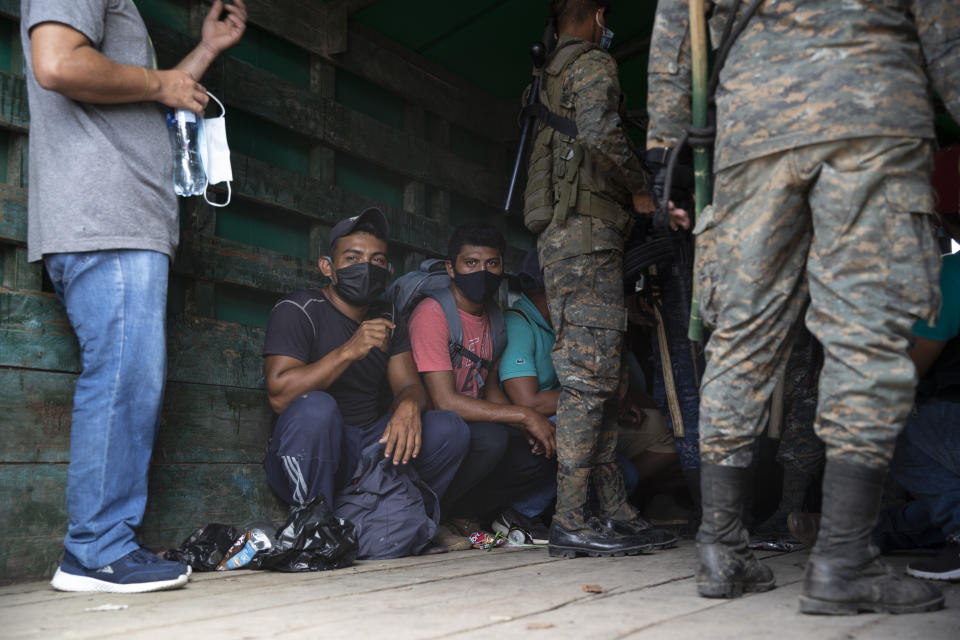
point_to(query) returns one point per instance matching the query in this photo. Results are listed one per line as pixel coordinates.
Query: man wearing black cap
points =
(327, 359)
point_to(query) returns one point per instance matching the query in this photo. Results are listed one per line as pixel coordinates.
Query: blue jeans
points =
(313, 452)
(116, 301)
(927, 463)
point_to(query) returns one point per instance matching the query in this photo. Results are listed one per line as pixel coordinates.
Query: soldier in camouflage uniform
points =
(590, 190)
(822, 160)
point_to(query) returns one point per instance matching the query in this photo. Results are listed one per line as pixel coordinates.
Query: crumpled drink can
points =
(245, 548)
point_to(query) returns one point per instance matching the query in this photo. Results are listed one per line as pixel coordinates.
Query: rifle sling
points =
(538, 110)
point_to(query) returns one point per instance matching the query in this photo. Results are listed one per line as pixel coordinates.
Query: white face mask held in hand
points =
(214, 152)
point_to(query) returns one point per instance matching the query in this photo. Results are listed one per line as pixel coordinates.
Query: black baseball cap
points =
(371, 215)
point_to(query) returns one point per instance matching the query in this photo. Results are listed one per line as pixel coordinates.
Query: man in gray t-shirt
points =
(103, 218)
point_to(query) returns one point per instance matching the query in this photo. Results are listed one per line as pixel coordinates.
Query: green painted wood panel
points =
(364, 96)
(182, 497)
(274, 54)
(270, 228)
(35, 334)
(235, 263)
(4, 152)
(174, 14)
(7, 30)
(270, 143)
(199, 423)
(244, 305)
(370, 181)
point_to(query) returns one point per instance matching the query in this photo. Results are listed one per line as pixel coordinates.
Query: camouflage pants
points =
(800, 448)
(851, 216)
(585, 296)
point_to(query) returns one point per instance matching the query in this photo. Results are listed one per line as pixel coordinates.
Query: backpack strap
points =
(445, 298)
(498, 329)
(458, 352)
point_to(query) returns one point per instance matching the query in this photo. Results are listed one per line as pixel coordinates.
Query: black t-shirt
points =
(306, 326)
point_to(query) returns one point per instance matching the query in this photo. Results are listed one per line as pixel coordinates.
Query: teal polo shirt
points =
(529, 342)
(948, 323)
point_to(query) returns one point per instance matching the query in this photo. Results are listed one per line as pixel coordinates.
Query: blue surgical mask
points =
(606, 34)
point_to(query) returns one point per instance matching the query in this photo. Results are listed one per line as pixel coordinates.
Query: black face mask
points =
(361, 284)
(479, 286)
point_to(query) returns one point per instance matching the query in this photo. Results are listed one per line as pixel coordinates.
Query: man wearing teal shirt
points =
(529, 379)
(927, 458)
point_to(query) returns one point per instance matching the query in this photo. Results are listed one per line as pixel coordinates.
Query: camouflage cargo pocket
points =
(914, 258)
(594, 337)
(707, 268)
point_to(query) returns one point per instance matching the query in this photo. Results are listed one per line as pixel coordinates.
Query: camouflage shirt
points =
(809, 72)
(592, 87)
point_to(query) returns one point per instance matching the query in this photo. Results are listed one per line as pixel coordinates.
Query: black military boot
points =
(795, 483)
(616, 514)
(845, 574)
(689, 530)
(726, 568)
(572, 533)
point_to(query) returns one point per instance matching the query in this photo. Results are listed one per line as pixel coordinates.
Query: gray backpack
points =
(431, 280)
(394, 512)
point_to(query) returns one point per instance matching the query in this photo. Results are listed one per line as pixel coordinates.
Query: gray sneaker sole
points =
(63, 581)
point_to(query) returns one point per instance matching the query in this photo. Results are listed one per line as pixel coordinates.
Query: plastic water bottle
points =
(189, 178)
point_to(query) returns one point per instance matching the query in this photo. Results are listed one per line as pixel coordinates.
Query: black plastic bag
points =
(205, 548)
(312, 539)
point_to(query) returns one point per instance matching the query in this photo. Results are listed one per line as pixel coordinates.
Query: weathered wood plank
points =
(258, 181)
(10, 8)
(182, 497)
(20, 274)
(262, 94)
(212, 352)
(14, 112)
(35, 334)
(313, 26)
(263, 183)
(423, 83)
(368, 54)
(199, 423)
(220, 260)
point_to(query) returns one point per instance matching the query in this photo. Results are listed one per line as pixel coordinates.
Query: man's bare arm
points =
(524, 391)
(288, 377)
(924, 353)
(443, 392)
(65, 61)
(403, 433)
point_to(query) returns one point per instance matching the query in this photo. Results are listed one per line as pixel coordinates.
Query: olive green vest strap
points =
(591, 204)
(567, 53)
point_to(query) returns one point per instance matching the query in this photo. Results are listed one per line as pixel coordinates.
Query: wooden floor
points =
(469, 594)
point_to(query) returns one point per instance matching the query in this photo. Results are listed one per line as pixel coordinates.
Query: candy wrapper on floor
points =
(485, 540)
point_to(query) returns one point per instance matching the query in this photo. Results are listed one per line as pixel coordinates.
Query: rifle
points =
(539, 51)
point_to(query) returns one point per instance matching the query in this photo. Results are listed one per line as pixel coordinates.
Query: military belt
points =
(589, 203)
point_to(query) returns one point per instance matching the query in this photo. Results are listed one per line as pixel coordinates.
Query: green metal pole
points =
(701, 155)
